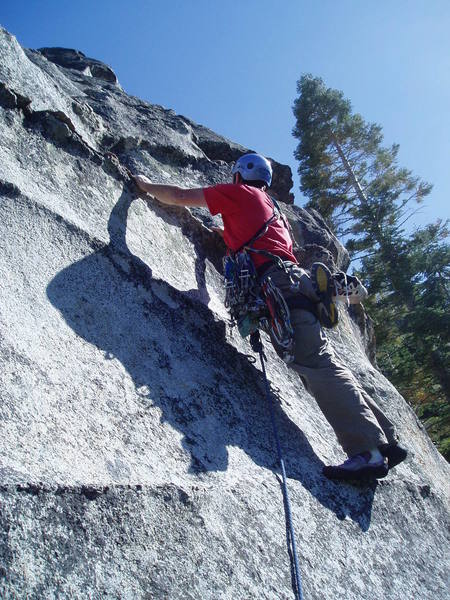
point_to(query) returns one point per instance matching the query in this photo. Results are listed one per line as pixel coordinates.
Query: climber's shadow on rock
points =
(172, 345)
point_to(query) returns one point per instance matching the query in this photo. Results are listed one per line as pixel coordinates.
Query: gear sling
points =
(253, 300)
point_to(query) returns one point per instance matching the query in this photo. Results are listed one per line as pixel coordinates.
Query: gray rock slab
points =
(136, 454)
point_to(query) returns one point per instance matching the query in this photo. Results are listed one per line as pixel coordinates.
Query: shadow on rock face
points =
(171, 344)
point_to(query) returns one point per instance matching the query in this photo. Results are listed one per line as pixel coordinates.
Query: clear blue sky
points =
(233, 66)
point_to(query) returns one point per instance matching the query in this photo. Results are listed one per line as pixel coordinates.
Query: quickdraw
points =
(256, 305)
(243, 293)
(279, 326)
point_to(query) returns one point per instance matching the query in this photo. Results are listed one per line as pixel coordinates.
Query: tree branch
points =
(361, 256)
(397, 229)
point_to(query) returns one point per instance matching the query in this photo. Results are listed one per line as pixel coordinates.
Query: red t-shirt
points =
(244, 211)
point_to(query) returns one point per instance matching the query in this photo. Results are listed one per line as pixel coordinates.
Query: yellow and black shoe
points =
(324, 287)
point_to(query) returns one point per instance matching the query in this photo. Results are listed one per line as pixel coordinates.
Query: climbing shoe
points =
(358, 467)
(348, 288)
(323, 285)
(394, 453)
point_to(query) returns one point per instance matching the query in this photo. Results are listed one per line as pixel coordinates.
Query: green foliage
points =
(348, 176)
(358, 187)
(412, 324)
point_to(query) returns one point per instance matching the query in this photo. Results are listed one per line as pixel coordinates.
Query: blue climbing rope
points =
(256, 343)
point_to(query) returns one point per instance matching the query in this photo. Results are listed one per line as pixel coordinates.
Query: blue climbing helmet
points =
(254, 167)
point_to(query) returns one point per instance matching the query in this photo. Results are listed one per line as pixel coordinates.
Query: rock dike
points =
(136, 452)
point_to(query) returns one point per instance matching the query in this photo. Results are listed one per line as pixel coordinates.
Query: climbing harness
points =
(257, 346)
(255, 302)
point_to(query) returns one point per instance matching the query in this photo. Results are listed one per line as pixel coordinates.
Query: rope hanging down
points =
(256, 343)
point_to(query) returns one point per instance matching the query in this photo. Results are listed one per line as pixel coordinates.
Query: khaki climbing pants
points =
(357, 421)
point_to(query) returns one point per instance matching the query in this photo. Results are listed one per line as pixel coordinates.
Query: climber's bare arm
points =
(171, 194)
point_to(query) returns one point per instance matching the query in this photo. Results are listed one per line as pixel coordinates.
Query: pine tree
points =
(346, 172)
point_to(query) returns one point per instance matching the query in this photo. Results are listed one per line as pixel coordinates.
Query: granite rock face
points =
(74, 59)
(136, 455)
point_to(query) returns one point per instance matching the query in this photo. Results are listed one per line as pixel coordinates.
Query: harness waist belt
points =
(272, 263)
(264, 267)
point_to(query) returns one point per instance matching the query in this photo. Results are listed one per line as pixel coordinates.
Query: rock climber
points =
(366, 435)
